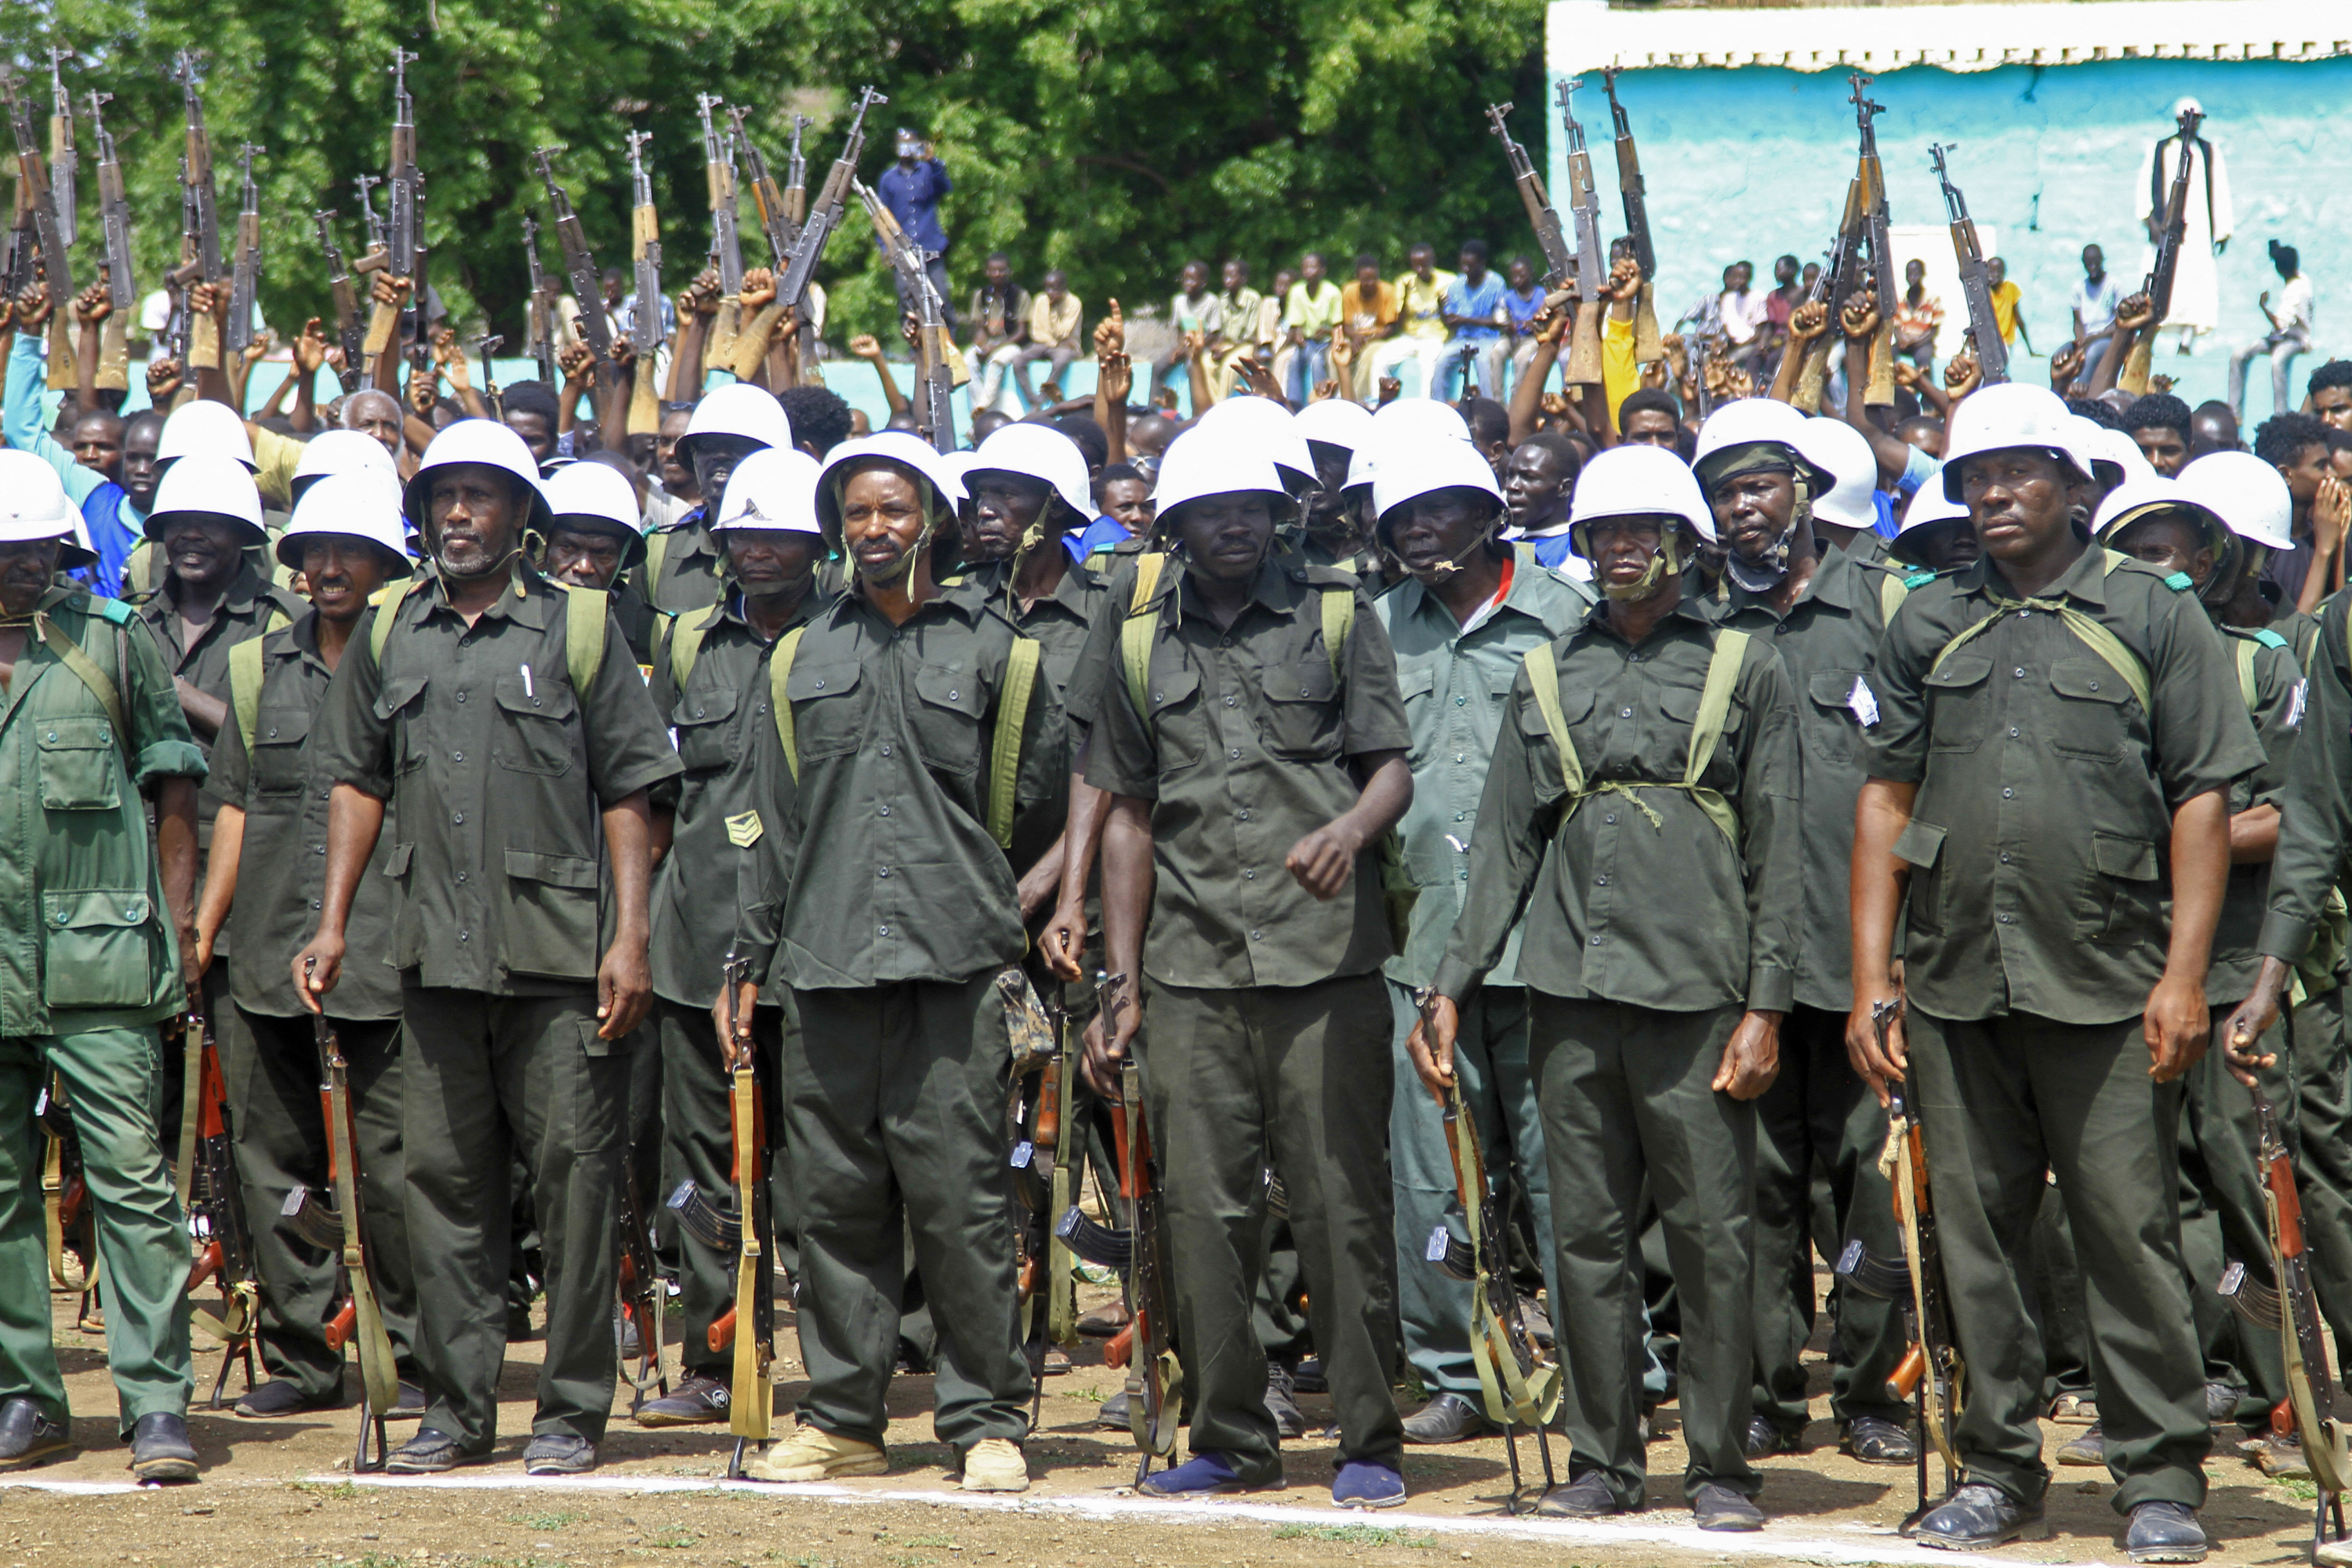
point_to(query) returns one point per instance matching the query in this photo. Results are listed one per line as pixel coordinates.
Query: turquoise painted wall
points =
(1753, 162)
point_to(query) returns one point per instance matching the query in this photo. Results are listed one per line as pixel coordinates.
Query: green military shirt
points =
(85, 939)
(2038, 841)
(1059, 624)
(279, 785)
(2316, 805)
(499, 774)
(1638, 897)
(721, 718)
(641, 626)
(888, 869)
(248, 607)
(1827, 642)
(2271, 684)
(1247, 749)
(689, 563)
(1454, 679)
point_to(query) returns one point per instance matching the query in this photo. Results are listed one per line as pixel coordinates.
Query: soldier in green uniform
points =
(712, 682)
(2050, 1007)
(1780, 485)
(682, 569)
(897, 914)
(1640, 811)
(593, 537)
(1471, 610)
(1244, 716)
(96, 924)
(499, 717)
(264, 886)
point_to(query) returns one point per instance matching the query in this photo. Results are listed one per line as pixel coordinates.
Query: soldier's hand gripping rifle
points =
(1519, 1389)
(1584, 367)
(1976, 285)
(750, 1401)
(216, 1206)
(403, 236)
(349, 330)
(485, 346)
(1930, 1374)
(1872, 178)
(237, 333)
(1840, 271)
(1040, 1118)
(66, 1212)
(36, 190)
(1648, 347)
(831, 202)
(719, 178)
(644, 321)
(934, 355)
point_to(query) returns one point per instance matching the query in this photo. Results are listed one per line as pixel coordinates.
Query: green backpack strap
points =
(657, 556)
(1338, 620)
(685, 647)
(244, 687)
(2087, 631)
(1004, 749)
(2246, 669)
(1891, 591)
(1543, 676)
(1723, 667)
(1134, 632)
(86, 669)
(586, 613)
(387, 603)
(779, 674)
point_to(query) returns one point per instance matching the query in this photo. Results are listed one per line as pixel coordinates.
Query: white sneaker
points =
(812, 1454)
(995, 1465)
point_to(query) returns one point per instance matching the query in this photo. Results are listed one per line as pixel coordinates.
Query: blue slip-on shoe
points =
(1206, 1474)
(1362, 1484)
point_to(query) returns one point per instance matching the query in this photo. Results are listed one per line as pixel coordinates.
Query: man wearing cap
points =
(1648, 751)
(499, 716)
(892, 913)
(1255, 745)
(711, 681)
(95, 932)
(1775, 482)
(1471, 610)
(264, 886)
(681, 570)
(2050, 1001)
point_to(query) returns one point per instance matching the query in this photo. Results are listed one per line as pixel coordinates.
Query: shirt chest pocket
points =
(1959, 704)
(1667, 747)
(1179, 727)
(2093, 709)
(825, 722)
(399, 702)
(1417, 685)
(78, 769)
(946, 717)
(1545, 766)
(705, 723)
(1302, 710)
(279, 734)
(1830, 726)
(535, 729)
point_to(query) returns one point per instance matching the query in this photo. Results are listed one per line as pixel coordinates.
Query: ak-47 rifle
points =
(2173, 236)
(776, 214)
(1976, 290)
(644, 321)
(796, 174)
(1841, 270)
(377, 245)
(1549, 236)
(1648, 346)
(348, 330)
(934, 355)
(379, 1374)
(69, 1218)
(113, 212)
(752, 1401)
(719, 178)
(1931, 1374)
(579, 263)
(640, 1280)
(1040, 1125)
(236, 334)
(832, 201)
(179, 327)
(65, 160)
(215, 1204)
(540, 307)
(1591, 261)
(486, 345)
(1872, 178)
(49, 230)
(1519, 1388)
(203, 220)
(405, 233)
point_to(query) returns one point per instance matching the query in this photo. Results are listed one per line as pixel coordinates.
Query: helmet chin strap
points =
(1667, 557)
(1764, 573)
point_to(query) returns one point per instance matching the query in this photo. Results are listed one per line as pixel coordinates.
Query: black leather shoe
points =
(2222, 1402)
(1280, 1401)
(410, 1406)
(1978, 1516)
(1586, 1497)
(1113, 1415)
(2090, 1449)
(280, 1397)
(1446, 1418)
(1720, 1508)
(1764, 1438)
(2164, 1532)
(559, 1454)
(1307, 1377)
(699, 1399)
(159, 1449)
(1873, 1441)
(28, 1437)
(431, 1451)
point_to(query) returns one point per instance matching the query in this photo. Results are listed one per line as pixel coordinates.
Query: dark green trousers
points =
(1819, 1114)
(2322, 1081)
(699, 1144)
(895, 1127)
(484, 1078)
(2006, 1100)
(1490, 1056)
(270, 1069)
(1625, 1098)
(2223, 1216)
(1296, 1078)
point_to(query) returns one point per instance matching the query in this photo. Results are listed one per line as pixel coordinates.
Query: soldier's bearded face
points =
(472, 512)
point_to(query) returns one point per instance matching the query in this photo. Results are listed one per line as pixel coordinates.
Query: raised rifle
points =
(49, 230)
(209, 1191)
(796, 174)
(486, 345)
(775, 220)
(1984, 328)
(645, 320)
(1931, 1375)
(1630, 188)
(832, 201)
(348, 330)
(379, 1374)
(1549, 236)
(64, 161)
(579, 263)
(1872, 178)
(719, 178)
(1841, 267)
(113, 212)
(540, 307)
(752, 1401)
(934, 363)
(2158, 287)
(236, 334)
(178, 328)
(404, 234)
(1591, 268)
(1521, 1390)
(376, 243)
(202, 208)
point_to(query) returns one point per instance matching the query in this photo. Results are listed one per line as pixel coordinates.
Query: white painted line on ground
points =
(73, 1489)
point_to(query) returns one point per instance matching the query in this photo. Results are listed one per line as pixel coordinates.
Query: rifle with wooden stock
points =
(113, 212)
(1648, 346)
(934, 355)
(351, 332)
(1584, 367)
(644, 321)
(579, 262)
(1872, 178)
(726, 239)
(540, 307)
(1976, 285)
(237, 333)
(825, 215)
(65, 158)
(750, 1402)
(50, 229)
(2167, 263)
(211, 1194)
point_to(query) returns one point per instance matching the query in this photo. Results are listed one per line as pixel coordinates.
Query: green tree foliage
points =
(1114, 137)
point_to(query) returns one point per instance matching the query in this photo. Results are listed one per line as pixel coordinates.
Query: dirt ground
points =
(281, 1492)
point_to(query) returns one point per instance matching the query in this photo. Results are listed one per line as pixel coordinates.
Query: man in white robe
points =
(2197, 281)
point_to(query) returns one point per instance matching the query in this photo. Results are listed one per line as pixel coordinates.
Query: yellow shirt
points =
(2005, 300)
(1620, 376)
(1422, 305)
(1055, 326)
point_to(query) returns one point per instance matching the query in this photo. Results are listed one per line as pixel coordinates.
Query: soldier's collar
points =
(2085, 580)
(691, 533)
(527, 598)
(1596, 617)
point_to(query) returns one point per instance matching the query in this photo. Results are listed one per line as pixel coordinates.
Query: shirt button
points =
(2009, 795)
(457, 756)
(2013, 732)
(883, 930)
(314, 903)
(461, 697)
(1624, 712)
(458, 818)
(1460, 758)
(2020, 672)
(1241, 817)
(1229, 701)
(1233, 755)
(2004, 857)
(1600, 882)
(883, 872)
(885, 751)
(464, 936)
(761, 709)
(318, 849)
(1257, 936)
(954, 695)
(1596, 942)
(273, 731)
(2008, 920)
(697, 712)
(820, 683)
(461, 876)
(1459, 815)
(1609, 821)
(1249, 874)
(1457, 701)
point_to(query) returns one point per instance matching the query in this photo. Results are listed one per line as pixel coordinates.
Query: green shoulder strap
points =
(1891, 591)
(1338, 620)
(779, 674)
(657, 555)
(86, 671)
(1543, 676)
(685, 647)
(2087, 631)
(1723, 667)
(244, 687)
(586, 612)
(387, 603)
(1005, 748)
(2245, 646)
(1135, 633)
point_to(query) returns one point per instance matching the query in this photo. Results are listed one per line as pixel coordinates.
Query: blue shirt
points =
(1522, 308)
(913, 197)
(1103, 533)
(1481, 299)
